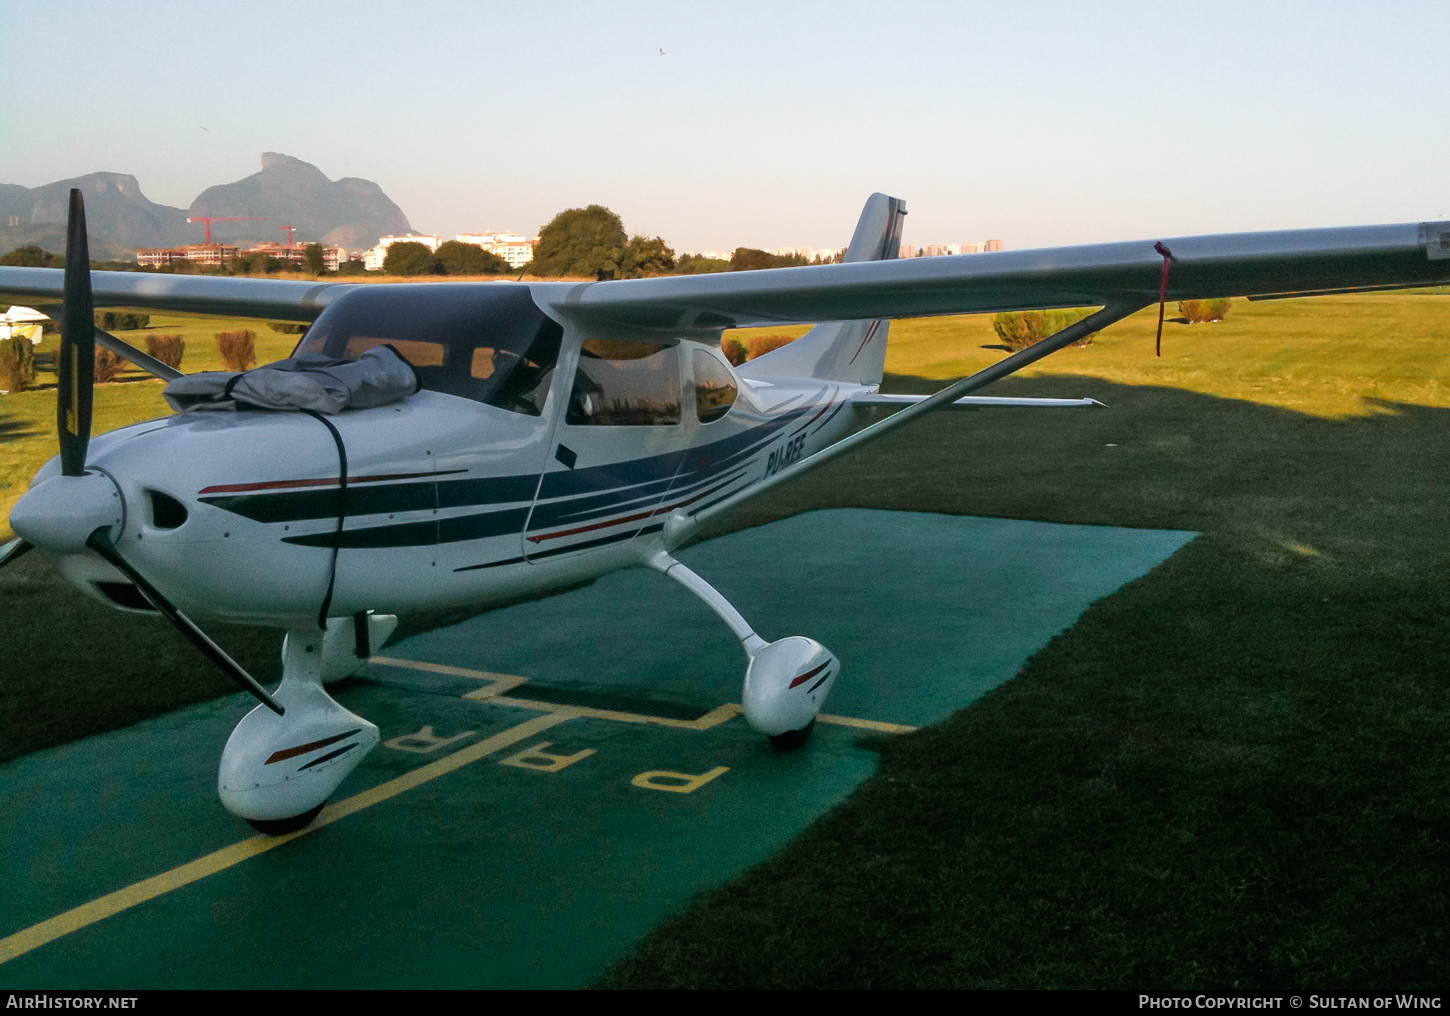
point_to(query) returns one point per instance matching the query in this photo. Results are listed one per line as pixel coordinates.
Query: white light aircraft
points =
(547, 433)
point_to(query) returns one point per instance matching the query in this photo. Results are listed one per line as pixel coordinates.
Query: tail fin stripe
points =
(869, 333)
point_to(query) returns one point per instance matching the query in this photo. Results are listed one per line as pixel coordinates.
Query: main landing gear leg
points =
(786, 682)
(278, 771)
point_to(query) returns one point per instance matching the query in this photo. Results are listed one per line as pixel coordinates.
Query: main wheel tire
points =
(793, 739)
(279, 826)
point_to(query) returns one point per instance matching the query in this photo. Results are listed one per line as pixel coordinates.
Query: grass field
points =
(1232, 774)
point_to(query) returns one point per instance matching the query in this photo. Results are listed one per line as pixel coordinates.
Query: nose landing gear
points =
(278, 771)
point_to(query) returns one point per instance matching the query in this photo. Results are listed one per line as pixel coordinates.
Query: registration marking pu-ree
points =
(447, 444)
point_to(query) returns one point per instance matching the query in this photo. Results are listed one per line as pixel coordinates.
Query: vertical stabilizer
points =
(851, 351)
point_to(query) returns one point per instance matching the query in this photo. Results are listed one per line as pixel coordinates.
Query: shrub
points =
(287, 327)
(1197, 312)
(108, 365)
(169, 349)
(1020, 329)
(734, 350)
(119, 321)
(238, 349)
(17, 364)
(759, 345)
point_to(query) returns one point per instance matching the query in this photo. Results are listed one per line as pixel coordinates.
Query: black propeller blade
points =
(77, 387)
(101, 544)
(77, 345)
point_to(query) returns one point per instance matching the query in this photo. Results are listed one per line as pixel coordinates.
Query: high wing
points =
(1228, 264)
(1306, 261)
(276, 299)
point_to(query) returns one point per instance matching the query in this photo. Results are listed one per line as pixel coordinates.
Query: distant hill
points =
(118, 216)
(349, 212)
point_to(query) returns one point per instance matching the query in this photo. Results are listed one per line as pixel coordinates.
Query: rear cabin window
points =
(715, 389)
(622, 384)
(486, 342)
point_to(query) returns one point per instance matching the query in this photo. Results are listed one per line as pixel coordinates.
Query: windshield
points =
(485, 342)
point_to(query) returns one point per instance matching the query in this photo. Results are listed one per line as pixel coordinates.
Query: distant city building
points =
(197, 253)
(374, 258)
(933, 250)
(822, 254)
(809, 253)
(515, 248)
(297, 253)
(214, 254)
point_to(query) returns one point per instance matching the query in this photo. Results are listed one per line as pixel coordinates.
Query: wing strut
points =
(681, 524)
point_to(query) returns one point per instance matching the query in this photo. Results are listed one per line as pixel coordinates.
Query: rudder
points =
(850, 351)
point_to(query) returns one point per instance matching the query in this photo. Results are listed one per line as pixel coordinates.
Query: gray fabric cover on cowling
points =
(311, 381)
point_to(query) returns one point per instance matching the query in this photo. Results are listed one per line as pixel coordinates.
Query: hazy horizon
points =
(760, 125)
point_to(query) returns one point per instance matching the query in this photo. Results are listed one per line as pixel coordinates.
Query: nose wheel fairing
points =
(277, 771)
(786, 682)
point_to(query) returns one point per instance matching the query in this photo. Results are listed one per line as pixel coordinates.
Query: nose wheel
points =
(282, 826)
(793, 739)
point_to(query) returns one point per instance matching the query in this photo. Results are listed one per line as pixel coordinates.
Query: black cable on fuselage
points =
(341, 512)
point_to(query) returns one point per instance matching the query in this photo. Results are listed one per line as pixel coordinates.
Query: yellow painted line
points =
(713, 718)
(87, 914)
(879, 725)
(501, 683)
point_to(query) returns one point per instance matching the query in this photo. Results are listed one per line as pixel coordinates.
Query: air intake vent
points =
(166, 511)
(124, 594)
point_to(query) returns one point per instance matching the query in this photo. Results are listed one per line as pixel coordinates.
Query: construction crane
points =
(291, 232)
(209, 219)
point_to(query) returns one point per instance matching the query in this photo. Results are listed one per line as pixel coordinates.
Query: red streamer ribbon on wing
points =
(1168, 259)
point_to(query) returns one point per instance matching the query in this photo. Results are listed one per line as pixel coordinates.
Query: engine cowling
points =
(787, 684)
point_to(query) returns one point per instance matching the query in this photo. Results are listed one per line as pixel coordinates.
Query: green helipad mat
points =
(529, 834)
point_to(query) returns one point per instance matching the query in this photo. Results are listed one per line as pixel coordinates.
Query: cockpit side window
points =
(488, 343)
(625, 384)
(715, 389)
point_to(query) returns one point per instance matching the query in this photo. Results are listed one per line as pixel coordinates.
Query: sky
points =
(760, 124)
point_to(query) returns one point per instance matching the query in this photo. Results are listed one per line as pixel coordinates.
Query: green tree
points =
(312, 258)
(694, 264)
(409, 258)
(583, 241)
(256, 263)
(29, 256)
(746, 259)
(650, 256)
(458, 258)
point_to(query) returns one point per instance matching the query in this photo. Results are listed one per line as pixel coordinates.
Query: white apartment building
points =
(514, 248)
(809, 253)
(373, 259)
(933, 250)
